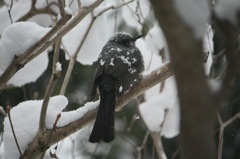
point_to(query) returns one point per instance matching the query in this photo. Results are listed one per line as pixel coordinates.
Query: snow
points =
(87, 3)
(68, 11)
(126, 60)
(25, 119)
(20, 8)
(31, 71)
(58, 67)
(132, 70)
(120, 89)
(143, 10)
(96, 39)
(16, 39)
(195, 14)
(154, 108)
(215, 85)
(111, 62)
(208, 48)
(155, 39)
(2, 151)
(151, 60)
(102, 62)
(68, 117)
(227, 10)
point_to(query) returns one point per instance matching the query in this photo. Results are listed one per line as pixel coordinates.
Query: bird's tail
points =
(103, 128)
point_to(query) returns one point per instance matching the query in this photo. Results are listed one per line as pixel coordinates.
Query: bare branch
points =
(146, 83)
(9, 11)
(223, 125)
(158, 145)
(53, 129)
(50, 87)
(44, 43)
(61, 8)
(34, 11)
(73, 59)
(139, 148)
(14, 135)
(197, 105)
(113, 7)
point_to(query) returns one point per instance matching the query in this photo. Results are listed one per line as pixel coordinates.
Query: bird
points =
(119, 67)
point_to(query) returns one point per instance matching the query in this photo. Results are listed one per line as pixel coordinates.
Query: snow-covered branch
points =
(54, 34)
(63, 130)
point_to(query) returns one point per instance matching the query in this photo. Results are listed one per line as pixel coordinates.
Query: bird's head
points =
(124, 39)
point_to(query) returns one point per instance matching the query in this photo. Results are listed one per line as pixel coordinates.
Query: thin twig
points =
(113, 7)
(35, 11)
(53, 129)
(223, 125)
(158, 145)
(42, 122)
(61, 8)
(140, 148)
(14, 135)
(73, 59)
(73, 147)
(164, 120)
(9, 11)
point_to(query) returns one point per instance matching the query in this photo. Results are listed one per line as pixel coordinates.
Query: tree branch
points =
(223, 125)
(14, 135)
(50, 87)
(197, 105)
(44, 43)
(146, 83)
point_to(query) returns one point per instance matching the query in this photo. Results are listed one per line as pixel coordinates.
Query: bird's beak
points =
(137, 37)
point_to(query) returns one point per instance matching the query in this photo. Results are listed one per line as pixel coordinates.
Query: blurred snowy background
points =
(136, 124)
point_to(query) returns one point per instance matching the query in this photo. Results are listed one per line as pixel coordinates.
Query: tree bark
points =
(197, 104)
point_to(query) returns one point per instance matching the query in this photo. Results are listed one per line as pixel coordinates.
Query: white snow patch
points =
(125, 60)
(134, 60)
(2, 149)
(25, 118)
(15, 40)
(132, 70)
(87, 3)
(58, 67)
(154, 107)
(102, 62)
(20, 8)
(208, 48)
(119, 50)
(151, 60)
(67, 117)
(68, 11)
(120, 89)
(142, 8)
(227, 9)
(195, 13)
(31, 71)
(92, 46)
(215, 85)
(155, 39)
(111, 62)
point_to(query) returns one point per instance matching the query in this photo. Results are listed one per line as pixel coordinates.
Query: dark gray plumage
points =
(119, 67)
